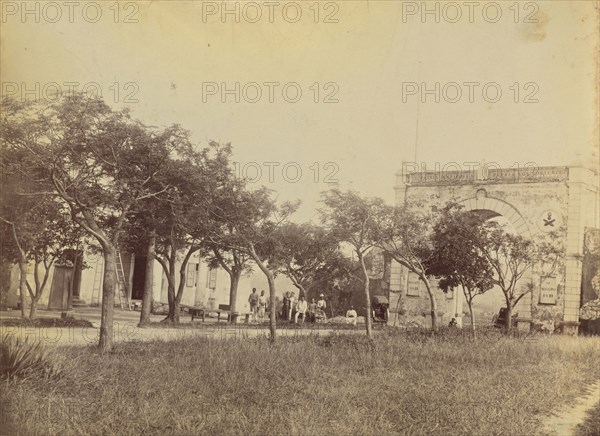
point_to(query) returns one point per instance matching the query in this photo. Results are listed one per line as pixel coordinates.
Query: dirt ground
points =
(126, 328)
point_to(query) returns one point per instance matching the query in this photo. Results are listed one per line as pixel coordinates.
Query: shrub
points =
(22, 359)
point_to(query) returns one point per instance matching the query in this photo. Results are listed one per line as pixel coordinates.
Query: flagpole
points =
(417, 123)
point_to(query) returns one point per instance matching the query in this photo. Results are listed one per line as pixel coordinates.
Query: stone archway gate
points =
(534, 200)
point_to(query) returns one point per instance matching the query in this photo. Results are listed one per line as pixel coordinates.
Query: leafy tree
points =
(101, 163)
(510, 256)
(221, 248)
(174, 239)
(345, 284)
(405, 235)
(161, 227)
(34, 227)
(252, 219)
(139, 237)
(456, 258)
(353, 220)
(306, 254)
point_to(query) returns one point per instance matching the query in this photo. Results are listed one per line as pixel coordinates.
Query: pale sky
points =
(172, 51)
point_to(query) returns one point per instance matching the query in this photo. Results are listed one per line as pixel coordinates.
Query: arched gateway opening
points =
(488, 208)
(505, 214)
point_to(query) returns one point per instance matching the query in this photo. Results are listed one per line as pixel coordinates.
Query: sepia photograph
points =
(310, 217)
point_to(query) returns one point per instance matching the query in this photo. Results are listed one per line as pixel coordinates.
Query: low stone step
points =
(78, 303)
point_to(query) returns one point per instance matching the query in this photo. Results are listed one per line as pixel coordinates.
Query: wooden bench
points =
(200, 312)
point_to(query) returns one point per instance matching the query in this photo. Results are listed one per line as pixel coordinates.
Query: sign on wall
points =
(414, 285)
(548, 290)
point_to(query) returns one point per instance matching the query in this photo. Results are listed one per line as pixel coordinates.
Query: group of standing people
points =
(258, 305)
(292, 310)
(302, 309)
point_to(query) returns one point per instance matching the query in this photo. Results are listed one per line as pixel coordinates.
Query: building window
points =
(191, 274)
(211, 279)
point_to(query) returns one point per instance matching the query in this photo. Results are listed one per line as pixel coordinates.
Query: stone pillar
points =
(581, 212)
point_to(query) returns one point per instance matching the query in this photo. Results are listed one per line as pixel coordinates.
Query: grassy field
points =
(397, 383)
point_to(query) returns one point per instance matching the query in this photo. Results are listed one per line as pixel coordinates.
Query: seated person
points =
(351, 316)
(320, 315)
(321, 303)
(301, 309)
(312, 310)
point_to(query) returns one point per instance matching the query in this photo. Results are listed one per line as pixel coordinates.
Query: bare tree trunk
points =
(508, 320)
(234, 282)
(473, 332)
(23, 284)
(167, 262)
(301, 290)
(108, 298)
(433, 302)
(272, 291)
(149, 281)
(39, 286)
(368, 317)
(273, 307)
(172, 316)
(34, 304)
(175, 310)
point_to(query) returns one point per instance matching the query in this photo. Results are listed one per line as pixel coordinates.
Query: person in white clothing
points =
(301, 309)
(321, 303)
(351, 316)
(262, 306)
(321, 306)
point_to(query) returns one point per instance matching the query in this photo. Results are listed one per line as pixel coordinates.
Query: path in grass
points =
(566, 422)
